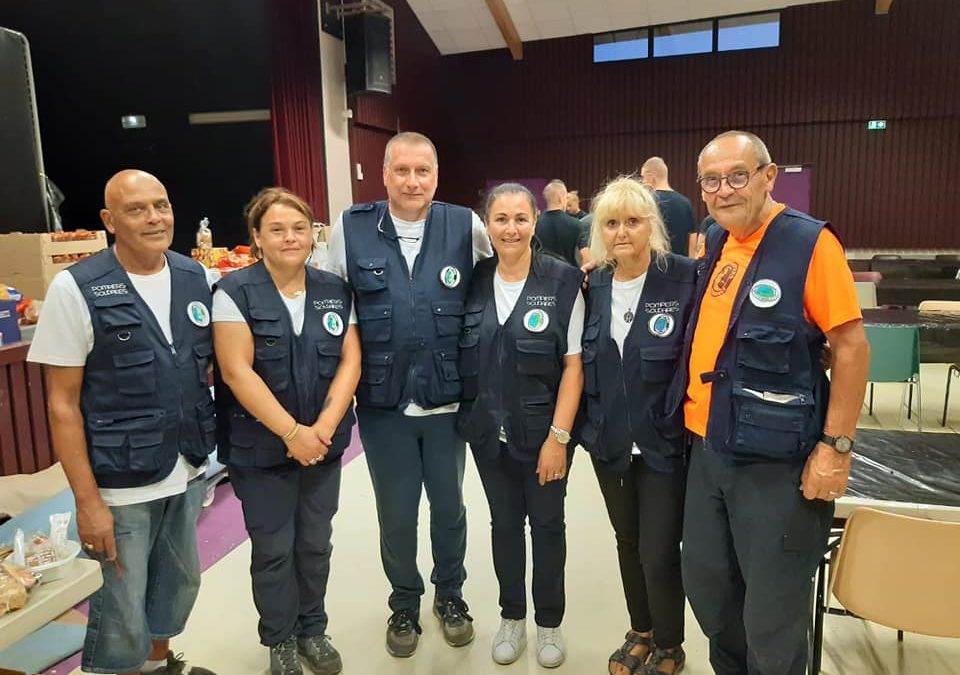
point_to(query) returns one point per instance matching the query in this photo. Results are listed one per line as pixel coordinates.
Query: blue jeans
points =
(405, 456)
(153, 596)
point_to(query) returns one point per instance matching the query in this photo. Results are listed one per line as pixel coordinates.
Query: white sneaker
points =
(510, 641)
(551, 650)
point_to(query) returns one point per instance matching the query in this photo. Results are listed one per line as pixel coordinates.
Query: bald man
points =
(125, 338)
(675, 208)
(557, 230)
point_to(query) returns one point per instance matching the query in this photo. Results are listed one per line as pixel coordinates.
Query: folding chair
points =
(895, 357)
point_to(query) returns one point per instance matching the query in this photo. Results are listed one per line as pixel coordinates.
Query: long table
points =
(908, 472)
(939, 331)
(911, 292)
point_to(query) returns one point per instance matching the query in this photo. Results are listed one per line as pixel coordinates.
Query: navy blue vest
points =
(624, 398)
(409, 324)
(511, 373)
(298, 369)
(769, 393)
(145, 401)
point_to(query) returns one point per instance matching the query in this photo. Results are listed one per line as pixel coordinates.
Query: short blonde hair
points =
(623, 197)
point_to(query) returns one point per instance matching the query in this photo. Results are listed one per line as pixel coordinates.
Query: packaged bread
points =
(13, 593)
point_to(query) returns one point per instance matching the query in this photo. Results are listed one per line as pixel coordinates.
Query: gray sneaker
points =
(177, 666)
(403, 633)
(283, 658)
(456, 623)
(322, 658)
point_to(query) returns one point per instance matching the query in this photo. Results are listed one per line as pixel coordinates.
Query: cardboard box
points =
(27, 260)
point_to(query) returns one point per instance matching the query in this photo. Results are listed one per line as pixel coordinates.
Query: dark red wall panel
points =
(557, 114)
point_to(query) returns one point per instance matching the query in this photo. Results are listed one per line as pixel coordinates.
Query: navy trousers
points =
(288, 511)
(407, 456)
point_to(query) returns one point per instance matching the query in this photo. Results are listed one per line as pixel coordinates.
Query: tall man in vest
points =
(125, 336)
(771, 436)
(409, 261)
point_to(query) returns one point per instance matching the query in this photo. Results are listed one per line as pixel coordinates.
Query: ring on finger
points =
(87, 545)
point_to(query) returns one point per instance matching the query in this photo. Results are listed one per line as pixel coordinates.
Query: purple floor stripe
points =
(219, 531)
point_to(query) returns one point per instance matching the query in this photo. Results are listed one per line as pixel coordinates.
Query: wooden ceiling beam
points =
(883, 6)
(509, 32)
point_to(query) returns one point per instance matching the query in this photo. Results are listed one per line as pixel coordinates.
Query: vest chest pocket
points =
(126, 441)
(270, 349)
(375, 375)
(769, 425)
(448, 317)
(371, 275)
(591, 331)
(116, 312)
(659, 364)
(328, 359)
(536, 356)
(135, 372)
(375, 322)
(202, 353)
(766, 348)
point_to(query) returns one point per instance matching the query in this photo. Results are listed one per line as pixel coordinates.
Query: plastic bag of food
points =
(59, 522)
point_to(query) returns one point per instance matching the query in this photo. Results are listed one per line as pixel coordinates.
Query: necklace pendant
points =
(628, 316)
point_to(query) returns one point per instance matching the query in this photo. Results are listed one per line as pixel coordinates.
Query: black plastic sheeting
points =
(911, 292)
(939, 331)
(906, 466)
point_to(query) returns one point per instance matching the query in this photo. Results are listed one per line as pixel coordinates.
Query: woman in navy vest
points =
(638, 303)
(288, 357)
(522, 379)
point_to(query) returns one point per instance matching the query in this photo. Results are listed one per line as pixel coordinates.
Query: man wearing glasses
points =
(409, 260)
(771, 435)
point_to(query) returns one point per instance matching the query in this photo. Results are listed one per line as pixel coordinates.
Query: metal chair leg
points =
(870, 406)
(946, 398)
(909, 399)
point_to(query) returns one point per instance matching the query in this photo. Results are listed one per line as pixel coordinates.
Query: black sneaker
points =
(322, 658)
(177, 666)
(283, 658)
(456, 623)
(403, 633)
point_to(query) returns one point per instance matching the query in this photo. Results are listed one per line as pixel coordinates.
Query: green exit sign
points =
(876, 125)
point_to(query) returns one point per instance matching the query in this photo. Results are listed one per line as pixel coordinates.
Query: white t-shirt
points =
(412, 233)
(624, 298)
(506, 294)
(225, 310)
(64, 337)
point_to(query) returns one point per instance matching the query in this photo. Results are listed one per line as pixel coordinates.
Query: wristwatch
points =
(842, 444)
(562, 436)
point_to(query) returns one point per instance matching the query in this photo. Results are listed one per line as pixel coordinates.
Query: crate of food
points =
(30, 261)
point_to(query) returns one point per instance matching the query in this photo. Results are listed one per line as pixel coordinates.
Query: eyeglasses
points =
(396, 237)
(736, 180)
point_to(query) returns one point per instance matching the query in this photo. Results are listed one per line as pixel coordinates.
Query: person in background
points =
(125, 338)
(573, 205)
(557, 231)
(771, 434)
(409, 260)
(675, 208)
(288, 362)
(638, 303)
(522, 378)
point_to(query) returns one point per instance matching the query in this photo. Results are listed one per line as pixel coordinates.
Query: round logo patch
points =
(536, 320)
(198, 314)
(333, 323)
(765, 293)
(450, 276)
(660, 325)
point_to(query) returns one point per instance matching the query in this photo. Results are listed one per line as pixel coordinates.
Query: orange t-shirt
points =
(829, 300)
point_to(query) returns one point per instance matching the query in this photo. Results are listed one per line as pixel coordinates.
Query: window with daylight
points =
(748, 32)
(683, 38)
(624, 45)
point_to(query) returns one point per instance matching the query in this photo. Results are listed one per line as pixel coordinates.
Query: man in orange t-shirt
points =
(771, 446)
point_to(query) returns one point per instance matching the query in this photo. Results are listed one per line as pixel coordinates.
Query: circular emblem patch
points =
(660, 325)
(765, 293)
(198, 314)
(450, 276)
(536, 320)
(333, 323)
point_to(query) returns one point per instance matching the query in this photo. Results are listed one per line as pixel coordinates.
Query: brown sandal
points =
(675, 654)
(623, 656)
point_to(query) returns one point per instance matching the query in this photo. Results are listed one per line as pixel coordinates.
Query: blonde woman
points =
(639, 299)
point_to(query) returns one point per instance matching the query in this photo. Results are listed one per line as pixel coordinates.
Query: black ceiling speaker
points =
(367, 38)
(23, 206)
